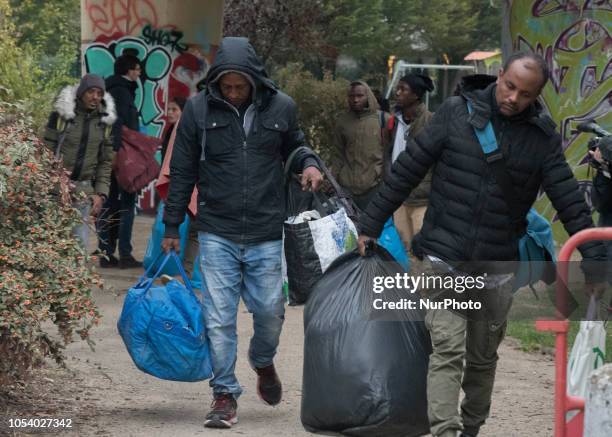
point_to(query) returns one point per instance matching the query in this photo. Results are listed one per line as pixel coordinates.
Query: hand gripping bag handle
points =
(172, 254)
(337, 188)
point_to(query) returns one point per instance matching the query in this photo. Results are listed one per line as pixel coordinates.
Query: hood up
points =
(373, 105)
(237, 54)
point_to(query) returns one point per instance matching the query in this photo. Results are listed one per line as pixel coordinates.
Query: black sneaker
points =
(269, 387)
(129, 262)
(108, 261)
(223, 412)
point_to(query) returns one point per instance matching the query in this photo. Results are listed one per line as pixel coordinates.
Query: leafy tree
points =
(280, 30)
(319, 103)
(39, 47)
(316, 33)
(17, 71)
(488, 32)
(52, 29)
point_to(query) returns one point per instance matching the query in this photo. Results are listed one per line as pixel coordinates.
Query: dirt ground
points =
(104, 394)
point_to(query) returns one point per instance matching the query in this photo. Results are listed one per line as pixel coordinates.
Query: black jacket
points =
(239, 178)
(602, 193)
(468, 218)
(124, 93)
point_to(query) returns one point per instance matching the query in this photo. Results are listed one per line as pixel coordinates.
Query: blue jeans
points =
(116, 220)
(231, 270)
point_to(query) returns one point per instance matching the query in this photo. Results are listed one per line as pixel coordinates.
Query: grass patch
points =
(531, 340)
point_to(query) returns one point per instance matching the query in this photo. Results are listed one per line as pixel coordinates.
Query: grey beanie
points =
(90, 81)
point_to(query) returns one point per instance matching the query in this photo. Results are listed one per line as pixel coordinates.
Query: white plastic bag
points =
(588, 353)
(310, 246)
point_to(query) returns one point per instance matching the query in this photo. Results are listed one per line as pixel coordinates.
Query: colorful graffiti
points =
(121, 16)
(174, 44)
(574, 36)
(164, 75)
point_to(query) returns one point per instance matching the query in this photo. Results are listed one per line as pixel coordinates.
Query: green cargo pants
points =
(464, 357)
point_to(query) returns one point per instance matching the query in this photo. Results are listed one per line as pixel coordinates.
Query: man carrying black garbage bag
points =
(469, 220)
(233, 140)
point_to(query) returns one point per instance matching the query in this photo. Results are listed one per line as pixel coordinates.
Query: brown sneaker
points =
(269, 387)
(223, 412)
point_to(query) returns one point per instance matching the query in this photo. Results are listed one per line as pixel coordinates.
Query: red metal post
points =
(563, 402)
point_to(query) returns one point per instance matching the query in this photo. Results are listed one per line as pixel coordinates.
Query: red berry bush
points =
(46, 279)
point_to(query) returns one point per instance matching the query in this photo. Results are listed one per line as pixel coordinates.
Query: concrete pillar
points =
(598, 406)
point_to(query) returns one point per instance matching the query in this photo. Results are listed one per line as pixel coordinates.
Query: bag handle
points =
(318, 200)
(328, 175)
(292, 156)
(172, 254)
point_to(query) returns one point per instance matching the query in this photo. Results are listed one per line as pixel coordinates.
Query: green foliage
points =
(48, 26)
(44, 274)
(317, 32)
(17, 71)
(39, 47)
(487, 34)
(319, 103)
(358, 28)
(449, 32)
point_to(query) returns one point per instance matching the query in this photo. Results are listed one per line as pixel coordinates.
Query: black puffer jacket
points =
(240, 178)
(468, 218)
(123, 92)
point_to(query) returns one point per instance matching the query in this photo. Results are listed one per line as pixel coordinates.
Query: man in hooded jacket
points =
(357, 160)
(233, 139)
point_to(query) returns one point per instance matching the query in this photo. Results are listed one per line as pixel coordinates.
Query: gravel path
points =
(107, 395)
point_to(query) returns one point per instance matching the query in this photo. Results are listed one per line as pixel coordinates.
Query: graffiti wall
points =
(574, 36)
(174, 39)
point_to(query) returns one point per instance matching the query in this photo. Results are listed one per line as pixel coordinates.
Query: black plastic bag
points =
(303, 265)
(363, 376)
(302, 262)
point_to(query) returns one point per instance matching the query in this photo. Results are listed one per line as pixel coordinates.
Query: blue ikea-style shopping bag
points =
(390, 240)
(163, 328)
(152, 259)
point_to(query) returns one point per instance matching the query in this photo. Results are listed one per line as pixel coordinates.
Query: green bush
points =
(29, 74)
(319, 103)
(44, 274)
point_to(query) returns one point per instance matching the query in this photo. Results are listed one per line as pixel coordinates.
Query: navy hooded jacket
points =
(239, 177)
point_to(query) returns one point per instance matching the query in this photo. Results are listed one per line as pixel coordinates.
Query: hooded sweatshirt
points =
(357, 160)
